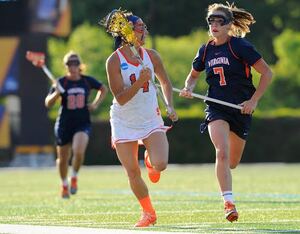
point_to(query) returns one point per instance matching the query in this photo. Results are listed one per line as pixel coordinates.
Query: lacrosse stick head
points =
(36, 58)
(117, 24)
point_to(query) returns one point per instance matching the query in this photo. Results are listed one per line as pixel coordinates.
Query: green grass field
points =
(186, 199)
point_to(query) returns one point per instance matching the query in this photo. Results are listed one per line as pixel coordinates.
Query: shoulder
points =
(62, 79)
(240, 42)
(244, 50)
(202, 49)
(91, 81)
(154, 56)
(200, 56)
(113, 59)
(152, 53)
(87, 77)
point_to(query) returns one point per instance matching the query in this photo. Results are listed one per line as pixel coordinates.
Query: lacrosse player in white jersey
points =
(135, 115)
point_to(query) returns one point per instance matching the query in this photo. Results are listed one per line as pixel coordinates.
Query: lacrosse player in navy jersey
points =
(227, 59)
(73, 125)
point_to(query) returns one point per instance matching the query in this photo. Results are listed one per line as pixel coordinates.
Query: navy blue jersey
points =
(73, 112)
(228, 70)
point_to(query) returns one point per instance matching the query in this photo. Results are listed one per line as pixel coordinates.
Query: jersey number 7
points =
(220, 72)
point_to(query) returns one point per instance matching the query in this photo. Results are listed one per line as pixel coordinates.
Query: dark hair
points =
(117, 42)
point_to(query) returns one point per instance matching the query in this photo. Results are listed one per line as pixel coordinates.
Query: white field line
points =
(34, 229)
(31, 229)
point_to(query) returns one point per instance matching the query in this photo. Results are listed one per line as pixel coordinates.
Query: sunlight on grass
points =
(186, 199)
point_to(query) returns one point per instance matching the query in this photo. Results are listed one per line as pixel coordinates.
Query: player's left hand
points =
(248, 107)
(186, 93)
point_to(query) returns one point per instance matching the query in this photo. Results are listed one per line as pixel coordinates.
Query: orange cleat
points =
(153, 175)
(231, 213)
(65, 192)
(146, 219)
(73, 188)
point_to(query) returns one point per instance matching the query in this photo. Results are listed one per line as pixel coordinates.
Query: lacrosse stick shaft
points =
(136, 54)
(209, 99)
(53, 80)
(49, 74)
(38, 60)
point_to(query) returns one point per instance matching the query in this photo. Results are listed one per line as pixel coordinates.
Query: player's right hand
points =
(186, 93)
(172, 113)
(145, 74)
(59, 89)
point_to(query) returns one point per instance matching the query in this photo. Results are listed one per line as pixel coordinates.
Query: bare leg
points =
(237, 146)
(127, 154)
(219, 134)
(158, 149)
(80, 142)
(63, 154)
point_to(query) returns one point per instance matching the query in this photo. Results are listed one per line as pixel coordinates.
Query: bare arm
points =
(120, 92)
(190, 84)
(101, 93)
(265, 79)
(164, 81)
(51, 98)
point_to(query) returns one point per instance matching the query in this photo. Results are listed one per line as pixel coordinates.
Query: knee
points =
(78, 156)
(62, 161)
(160, 166)
(133, 173)
(222, 156)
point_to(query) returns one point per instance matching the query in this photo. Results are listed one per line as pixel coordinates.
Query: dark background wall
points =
(270, 140)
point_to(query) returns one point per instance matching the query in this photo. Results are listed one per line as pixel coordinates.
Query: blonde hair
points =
(241, 19)
(69, 55)
(72, 54)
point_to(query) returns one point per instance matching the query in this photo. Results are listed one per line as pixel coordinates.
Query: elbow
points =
(103, 89)
(102, 92)
(269, 75)
(47, 105)
(121, 102)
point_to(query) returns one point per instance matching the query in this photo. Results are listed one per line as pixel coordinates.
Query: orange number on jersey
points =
(75, 101)
(145, 86)
(220, 72)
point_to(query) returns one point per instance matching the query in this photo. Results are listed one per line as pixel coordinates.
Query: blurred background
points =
(177, 28)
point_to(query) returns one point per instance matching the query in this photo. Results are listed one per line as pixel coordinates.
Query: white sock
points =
(227, 196)
(74, 173)
(65, 182)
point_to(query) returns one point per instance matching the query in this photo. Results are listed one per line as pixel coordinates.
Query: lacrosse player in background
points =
(227, 59)
(135, 115)
(73, 125)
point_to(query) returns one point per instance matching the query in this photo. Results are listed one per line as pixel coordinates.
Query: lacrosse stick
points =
(209, 99)
(38, 60)
(117, 24)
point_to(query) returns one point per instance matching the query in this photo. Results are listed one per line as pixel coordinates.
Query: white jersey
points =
(140, 116)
